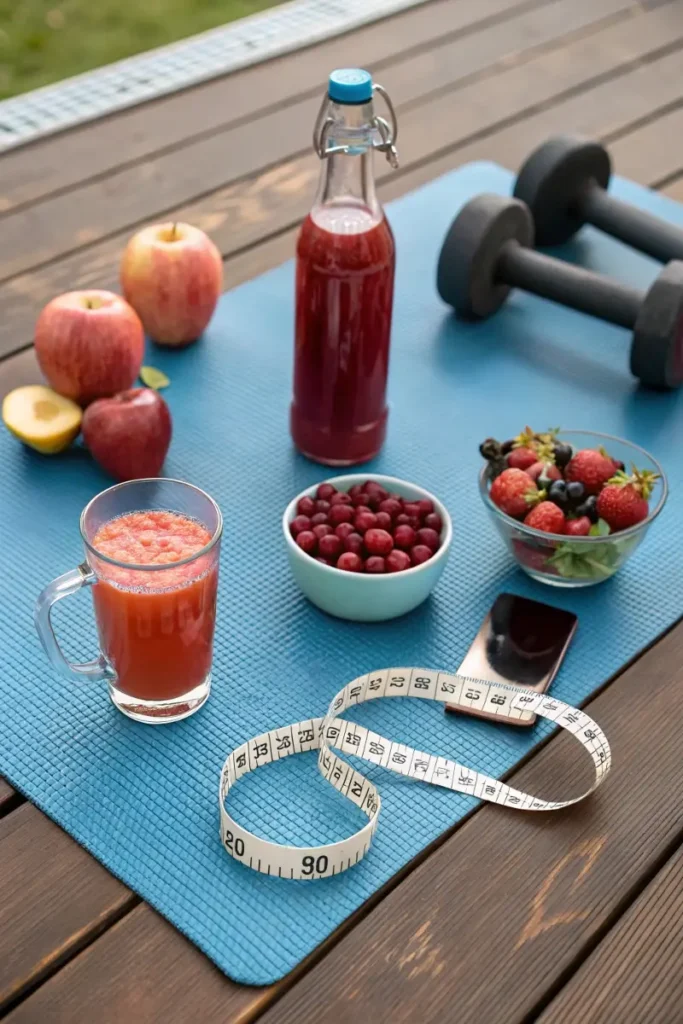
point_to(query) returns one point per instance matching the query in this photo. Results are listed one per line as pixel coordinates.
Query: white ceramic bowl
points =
(355, 596)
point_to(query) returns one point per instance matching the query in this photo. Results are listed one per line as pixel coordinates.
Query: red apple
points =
(172, 275)
(128, 434)
(89, 344)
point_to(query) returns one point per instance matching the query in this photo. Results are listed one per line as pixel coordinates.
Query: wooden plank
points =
(675, 189)
(275, 200)
(144, 971)
(54, 897)
(636, 973)
(94, 149)
(500, 914)
(653, 152)
(7, 796)
(143, 190)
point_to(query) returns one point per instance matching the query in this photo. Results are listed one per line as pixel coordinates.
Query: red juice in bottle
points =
(344, 288)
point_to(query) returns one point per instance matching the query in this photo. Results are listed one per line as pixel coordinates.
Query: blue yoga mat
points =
(143, 800)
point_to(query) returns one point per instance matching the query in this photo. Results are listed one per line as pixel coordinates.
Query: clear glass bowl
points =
(578, 561)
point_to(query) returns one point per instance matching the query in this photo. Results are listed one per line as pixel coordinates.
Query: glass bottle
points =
(345, 262)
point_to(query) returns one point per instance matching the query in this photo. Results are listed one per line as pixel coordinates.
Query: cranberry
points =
(392, 506)
(325, 491)
(350, 562)
(298, 525)
(322, 506)
(355, 490)
(372, 487)
(344, 530)
(374, 564)
(374, 501)
(397, 560)
(307, 541)
(305, 506)
(361, 499)
(320, 518)
(433, 521)
(365, 521)
(362, 508)
(322, 530)
(428, 537)
(341, 498)
(340, 514)
(406, 520)
(426, 506)
(384, 520)
(354, 543)
(420, 553)
(404, 537)
(411, 508)
(396, 497)
(379, 542)
(330, 546)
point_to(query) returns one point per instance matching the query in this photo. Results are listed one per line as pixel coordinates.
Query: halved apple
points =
(41, 418)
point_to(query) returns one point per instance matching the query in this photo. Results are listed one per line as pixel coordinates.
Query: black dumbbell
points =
(489, 250)
(564, 184)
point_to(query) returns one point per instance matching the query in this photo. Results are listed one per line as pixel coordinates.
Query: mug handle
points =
(68, 583)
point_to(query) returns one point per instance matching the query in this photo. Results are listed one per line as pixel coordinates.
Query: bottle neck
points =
(346, 201)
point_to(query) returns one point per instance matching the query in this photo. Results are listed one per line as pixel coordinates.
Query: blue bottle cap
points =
(350, 85)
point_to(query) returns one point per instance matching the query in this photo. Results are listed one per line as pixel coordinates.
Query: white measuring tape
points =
(500, 699)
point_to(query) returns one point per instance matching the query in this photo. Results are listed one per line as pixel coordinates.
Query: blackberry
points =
(490, 449)
(507, 446)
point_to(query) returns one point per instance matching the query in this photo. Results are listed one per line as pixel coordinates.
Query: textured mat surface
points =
(144, 800)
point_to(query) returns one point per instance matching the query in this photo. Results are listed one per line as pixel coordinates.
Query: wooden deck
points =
(580, 921)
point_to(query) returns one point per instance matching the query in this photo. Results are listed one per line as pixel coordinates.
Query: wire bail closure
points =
(387, 131)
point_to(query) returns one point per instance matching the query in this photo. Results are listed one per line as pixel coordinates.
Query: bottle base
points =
(161, 712)
(350, 448)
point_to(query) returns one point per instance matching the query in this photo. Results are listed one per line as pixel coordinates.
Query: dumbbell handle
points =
(637, 228)
(569, 285)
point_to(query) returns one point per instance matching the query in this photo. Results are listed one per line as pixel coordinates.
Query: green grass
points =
(42, 41)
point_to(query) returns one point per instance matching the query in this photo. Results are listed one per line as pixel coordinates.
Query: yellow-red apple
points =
(172, 275)
(89, 344)
(129, 434)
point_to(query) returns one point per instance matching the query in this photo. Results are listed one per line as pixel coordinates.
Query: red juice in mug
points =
(155, 628)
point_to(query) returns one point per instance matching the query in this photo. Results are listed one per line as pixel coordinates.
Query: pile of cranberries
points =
(367, 529)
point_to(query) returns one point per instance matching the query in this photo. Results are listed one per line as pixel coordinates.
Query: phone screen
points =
(521, 642)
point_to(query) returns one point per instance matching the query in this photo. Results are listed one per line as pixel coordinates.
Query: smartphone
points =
(521, 642)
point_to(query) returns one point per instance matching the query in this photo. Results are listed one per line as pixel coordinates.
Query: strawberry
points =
(514, 492)
(624, 501)
(578, 527)
(546, 469)
(547, 517)
(522, 458)
(533, 557)
(590, 468)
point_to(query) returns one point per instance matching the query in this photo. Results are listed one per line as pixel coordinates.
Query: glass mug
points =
(155, 621)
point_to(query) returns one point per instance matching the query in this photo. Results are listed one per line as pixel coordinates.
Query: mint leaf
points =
(153, 378)
(599, 529)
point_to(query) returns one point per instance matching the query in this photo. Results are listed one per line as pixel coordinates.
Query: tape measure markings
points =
(330, 733)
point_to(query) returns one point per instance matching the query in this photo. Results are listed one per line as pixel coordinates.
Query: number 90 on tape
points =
(332, 733)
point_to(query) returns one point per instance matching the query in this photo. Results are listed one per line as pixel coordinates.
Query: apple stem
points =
(173, 231)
